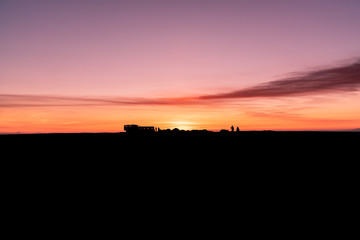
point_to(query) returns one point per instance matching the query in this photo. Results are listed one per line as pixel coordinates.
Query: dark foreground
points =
(251, 173)
(234, 145)
(265, 152)
(244, 158)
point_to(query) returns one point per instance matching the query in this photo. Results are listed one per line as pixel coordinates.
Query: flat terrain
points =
(253, 164)
(191, 142)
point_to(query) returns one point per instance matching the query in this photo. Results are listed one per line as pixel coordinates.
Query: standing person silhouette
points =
(232, 128)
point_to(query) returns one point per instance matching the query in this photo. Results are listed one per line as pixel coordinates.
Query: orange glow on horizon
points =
(325, 113)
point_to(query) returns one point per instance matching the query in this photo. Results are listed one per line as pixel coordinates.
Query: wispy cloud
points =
(336, 79)
(342, 78)
(16, 100)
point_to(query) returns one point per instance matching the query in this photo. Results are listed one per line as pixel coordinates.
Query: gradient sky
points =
(95, 65)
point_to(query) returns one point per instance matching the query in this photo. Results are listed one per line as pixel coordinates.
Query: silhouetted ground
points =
(263, 174)
(187, 144)
(267, 149)
(250, 158)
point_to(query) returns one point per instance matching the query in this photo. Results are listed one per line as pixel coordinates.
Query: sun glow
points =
(182, 125)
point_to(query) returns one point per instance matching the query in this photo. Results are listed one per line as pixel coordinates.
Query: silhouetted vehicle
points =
(133, 128)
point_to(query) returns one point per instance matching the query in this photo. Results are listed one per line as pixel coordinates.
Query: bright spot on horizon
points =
(182, 125)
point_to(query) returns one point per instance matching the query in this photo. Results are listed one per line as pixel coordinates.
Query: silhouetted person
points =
(232, 128)
(237, 129)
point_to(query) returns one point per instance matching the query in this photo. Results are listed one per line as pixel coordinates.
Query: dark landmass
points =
(248, 158)
(179, 141)
(182, 151)
(255, 165)
(241, 135)
(182, 133)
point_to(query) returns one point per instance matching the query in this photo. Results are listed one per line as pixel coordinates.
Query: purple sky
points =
(160, 47)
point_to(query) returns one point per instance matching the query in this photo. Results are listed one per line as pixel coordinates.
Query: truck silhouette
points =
(133, 128)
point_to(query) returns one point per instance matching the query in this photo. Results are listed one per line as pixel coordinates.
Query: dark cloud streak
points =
(337, 79)
(14, 100)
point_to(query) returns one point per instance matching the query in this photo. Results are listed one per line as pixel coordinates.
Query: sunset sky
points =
(95, 65)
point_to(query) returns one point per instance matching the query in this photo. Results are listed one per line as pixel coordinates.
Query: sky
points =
(96, 65)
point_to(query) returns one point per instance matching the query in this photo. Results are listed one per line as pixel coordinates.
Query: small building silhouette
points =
(133, 128)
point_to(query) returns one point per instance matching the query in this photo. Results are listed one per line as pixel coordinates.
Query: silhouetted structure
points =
(224, 131)
(133, 128)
